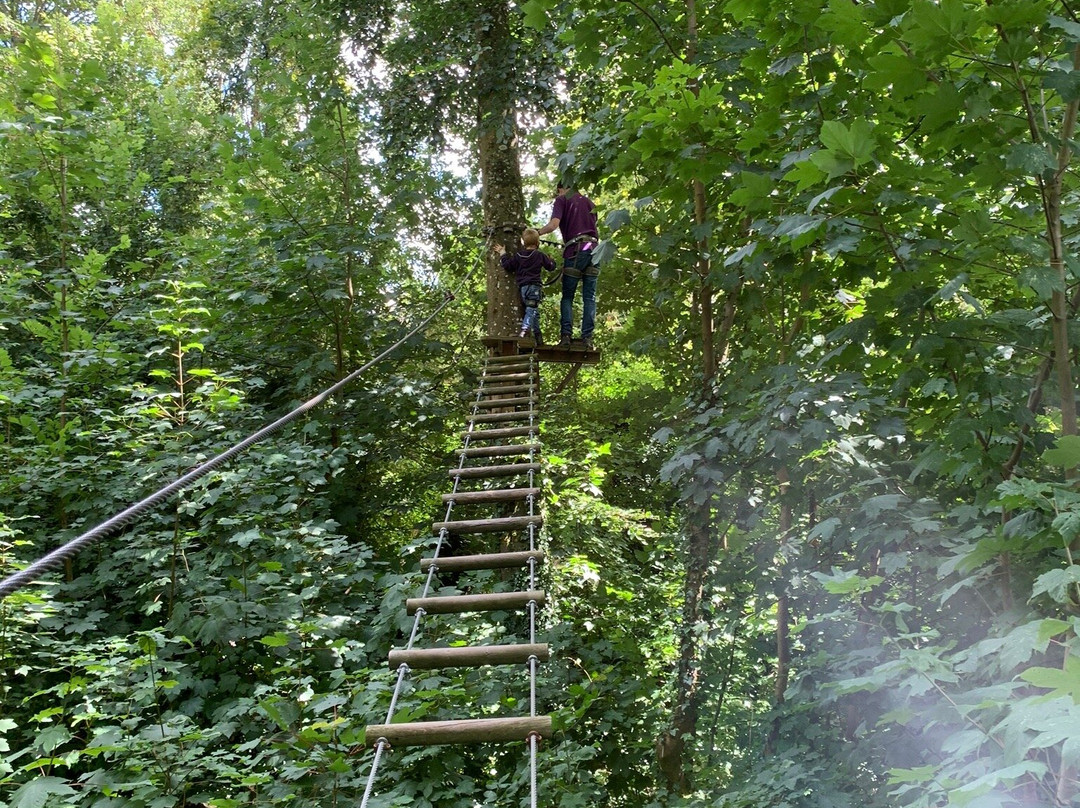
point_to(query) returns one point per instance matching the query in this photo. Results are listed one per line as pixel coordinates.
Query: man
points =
(574, 215)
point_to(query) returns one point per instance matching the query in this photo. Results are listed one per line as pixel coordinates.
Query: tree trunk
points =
(500, 173)
(703, 266)
(705, 291)
(783, 609)
(671, 750)
(1052, 195)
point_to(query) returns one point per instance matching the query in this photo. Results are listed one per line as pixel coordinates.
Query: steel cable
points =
(53, 559)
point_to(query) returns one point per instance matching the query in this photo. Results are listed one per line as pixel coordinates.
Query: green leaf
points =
(1060, 681)
(275, 640)
(745, 251)
(1056, 584)
(1030, 158)
(616, 219)
(754, 190)
(1067, 523)
(855, 143)
(1042, 279)
(846, 21)
(1051, 627)
(796, 225)
(831, 164)
(974, 789)
(1066, 453)
(1070, 28)
(806, 174)
(37, 791)
(1065, 82)
(921, 774)
(949, 290)
(52, 737)
(845, 582)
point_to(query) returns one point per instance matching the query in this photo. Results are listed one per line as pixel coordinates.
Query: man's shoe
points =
(587, 345)
(564, 342)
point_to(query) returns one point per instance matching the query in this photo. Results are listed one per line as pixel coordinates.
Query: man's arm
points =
(549, 227)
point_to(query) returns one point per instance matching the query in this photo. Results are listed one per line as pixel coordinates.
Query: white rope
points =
(403, 669)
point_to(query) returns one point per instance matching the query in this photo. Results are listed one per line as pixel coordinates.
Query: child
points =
(528, 264)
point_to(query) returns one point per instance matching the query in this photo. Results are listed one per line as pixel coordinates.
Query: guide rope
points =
(53, 559)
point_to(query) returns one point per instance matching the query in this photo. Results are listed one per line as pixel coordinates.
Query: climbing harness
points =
(506, 395)
(53, 559)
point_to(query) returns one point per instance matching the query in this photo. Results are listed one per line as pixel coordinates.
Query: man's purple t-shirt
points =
(576, 217)
(527, 264)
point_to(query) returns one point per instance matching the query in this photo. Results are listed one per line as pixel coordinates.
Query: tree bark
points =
(671, 748)
(783, 611)
(701, 545)
(705, 291)
(502, 198)
(704, 264)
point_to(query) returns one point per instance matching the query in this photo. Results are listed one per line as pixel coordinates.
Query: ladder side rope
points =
(433, 568)
(53, 559)
(532, 615)
(403, 669)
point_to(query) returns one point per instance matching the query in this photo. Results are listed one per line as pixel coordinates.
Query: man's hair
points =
(530, 239)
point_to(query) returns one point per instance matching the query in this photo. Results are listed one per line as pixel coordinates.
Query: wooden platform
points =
(575, 355)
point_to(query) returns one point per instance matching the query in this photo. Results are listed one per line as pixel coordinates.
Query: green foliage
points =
(174, 276)
(209, 212)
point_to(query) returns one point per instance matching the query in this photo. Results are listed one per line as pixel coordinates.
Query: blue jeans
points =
(580, 263)
(531, 293)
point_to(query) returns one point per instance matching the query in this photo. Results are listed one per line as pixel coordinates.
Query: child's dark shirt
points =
(527, 265)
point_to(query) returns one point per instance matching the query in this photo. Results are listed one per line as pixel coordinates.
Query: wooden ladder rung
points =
(506, 360)
(487, 561)
(514, 375)
(498, 391)
(474, 656)
(500, 403)
(491, 495)
(491, 374)
(495, 434)
(499, 417)
(491, 602)
(508, 377)
(476, 730)
(499, 451)
(498, 525)
(479, 472)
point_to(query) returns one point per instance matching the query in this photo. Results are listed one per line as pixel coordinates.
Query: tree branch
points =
(656, 24)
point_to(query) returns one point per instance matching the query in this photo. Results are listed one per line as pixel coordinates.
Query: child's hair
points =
(530, 239)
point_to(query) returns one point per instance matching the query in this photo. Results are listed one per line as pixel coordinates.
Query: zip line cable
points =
(53, 559)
